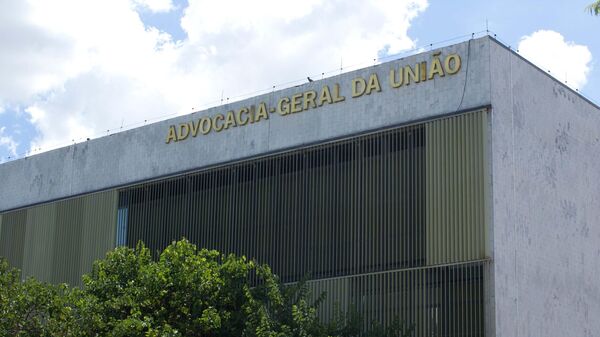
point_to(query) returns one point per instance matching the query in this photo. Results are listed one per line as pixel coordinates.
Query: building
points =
(457, 188)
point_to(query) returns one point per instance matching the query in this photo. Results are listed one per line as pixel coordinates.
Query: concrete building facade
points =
(455, 188)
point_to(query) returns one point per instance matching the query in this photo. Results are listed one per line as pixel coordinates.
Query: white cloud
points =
(8, 142)
(566, 60)
(156, 6)
(80, 67)
(32, 60)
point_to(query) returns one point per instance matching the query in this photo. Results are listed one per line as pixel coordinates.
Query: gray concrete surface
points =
(546, 203)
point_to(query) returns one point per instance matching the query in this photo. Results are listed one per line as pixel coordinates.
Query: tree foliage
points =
(189, 292)
(594, 8)
(185, 292)
(32, 308)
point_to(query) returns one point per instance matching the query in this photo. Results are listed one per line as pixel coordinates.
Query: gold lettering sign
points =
(399, 76)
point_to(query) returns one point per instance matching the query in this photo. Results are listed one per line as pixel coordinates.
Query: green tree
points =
(189, 292)
(32, 308)
(594, 8)
(185, 292)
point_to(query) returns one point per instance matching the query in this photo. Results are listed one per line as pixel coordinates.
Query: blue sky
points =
(117, 64)
(511, 20)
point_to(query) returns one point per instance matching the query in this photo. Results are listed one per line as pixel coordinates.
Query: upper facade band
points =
(425, 85)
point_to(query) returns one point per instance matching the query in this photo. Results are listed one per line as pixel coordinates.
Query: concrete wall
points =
(546, 203)
(141, 153)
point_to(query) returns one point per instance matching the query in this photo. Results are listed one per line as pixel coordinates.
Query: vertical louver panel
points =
(403, 198)
(350, 207)
(386, 223)
(58, 242)
(455, 204)
(439, 301)
(40, 242)
(12, 237)
(69, 228)
(98, 228)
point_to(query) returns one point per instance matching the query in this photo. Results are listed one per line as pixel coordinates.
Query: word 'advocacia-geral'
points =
(402, 75)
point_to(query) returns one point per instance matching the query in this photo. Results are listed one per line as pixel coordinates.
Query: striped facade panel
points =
(98, 228)
(456, 189)
(341, 209)
(41, 242)
(445, 300)
(60, 240)
(12, 237)
(403, 198)
(390, 223)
